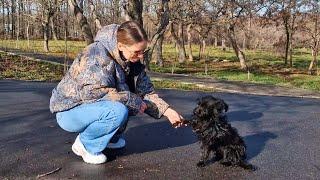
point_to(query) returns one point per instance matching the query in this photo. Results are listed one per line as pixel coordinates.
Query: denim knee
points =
(121, 111)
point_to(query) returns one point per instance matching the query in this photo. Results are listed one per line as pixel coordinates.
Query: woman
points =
(105, 84)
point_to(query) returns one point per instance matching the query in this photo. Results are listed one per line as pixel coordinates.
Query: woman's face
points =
(134, 52)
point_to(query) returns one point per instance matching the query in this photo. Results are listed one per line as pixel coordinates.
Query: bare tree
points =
(163, 16)
(77, 10)
(203, 31)
(288, 13)
(312, 29)
(178, 18)
(13, 18)
(48, 8)
(53, 25)
(189, 47)
(225, 15)
(133, 10)
(155, 21)
(179, 42)
(3, 5)
(95, 17)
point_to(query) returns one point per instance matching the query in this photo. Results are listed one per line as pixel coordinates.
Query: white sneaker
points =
(80, 150)
(120, 144)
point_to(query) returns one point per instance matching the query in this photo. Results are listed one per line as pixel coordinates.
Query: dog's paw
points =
(201, 164)
(248, 166)
(252, 168)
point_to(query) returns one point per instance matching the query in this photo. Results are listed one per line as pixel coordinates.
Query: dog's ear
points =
(226, 106)
(198, 101)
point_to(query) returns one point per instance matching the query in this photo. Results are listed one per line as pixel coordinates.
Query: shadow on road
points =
(152, 137)
(244, 116)
(257, 142)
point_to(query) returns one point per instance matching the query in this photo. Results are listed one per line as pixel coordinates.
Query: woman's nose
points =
(140, 56)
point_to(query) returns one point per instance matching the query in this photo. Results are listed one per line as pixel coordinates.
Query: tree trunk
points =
(159, 57)
(289, 22)
(181, 35)
(216, 41)
(133, 10)
(21, 19)
(82, 21)
(163, 16)
(8, 22)
(95, 16)
(248, 35)
(18, 24)
(13, 19)
(116, 11)
(28, 36)
(223, 44)
(53, 29)
(287, 47)
(244, 41)
(202, 48)
(313, 63)
(3, 19)
(46, 36)
(179, 44)
(290, 51)
(189, 47)
(240, 55)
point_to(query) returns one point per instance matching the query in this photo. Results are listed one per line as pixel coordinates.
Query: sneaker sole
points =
(111, 147)
(75, 151)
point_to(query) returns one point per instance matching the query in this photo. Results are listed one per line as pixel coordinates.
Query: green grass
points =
(56, 48)
(169, 84)
(265, 66)
(15, 67)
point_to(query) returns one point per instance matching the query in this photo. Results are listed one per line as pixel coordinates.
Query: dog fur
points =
(216, 135)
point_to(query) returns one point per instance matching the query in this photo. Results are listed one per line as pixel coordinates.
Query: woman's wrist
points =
(167, 112)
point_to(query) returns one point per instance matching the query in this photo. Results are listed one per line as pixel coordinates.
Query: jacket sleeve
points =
(155, 105)
(97, 82)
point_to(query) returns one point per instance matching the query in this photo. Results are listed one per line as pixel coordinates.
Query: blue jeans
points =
(98, 123)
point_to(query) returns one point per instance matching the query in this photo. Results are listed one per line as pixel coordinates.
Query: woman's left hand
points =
(175, 119)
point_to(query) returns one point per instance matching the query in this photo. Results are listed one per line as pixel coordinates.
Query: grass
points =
(56, 48)
(265, 66)
(169, 84)
(15, 67)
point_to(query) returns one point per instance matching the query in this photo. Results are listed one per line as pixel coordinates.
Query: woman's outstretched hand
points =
(175, 118)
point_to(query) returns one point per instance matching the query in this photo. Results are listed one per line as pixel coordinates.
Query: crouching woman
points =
(105, 84)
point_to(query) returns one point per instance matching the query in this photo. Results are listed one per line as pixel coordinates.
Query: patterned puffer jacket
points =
(99, 73)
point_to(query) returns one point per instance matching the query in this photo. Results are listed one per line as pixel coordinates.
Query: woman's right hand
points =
(143, 107)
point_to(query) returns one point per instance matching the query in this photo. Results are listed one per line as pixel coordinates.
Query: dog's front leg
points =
(204, 156)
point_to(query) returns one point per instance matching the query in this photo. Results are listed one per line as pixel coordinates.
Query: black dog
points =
(210, 124)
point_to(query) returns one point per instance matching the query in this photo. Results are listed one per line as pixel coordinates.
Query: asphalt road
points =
(281, 133)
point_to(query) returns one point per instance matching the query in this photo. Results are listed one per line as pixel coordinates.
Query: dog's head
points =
(208, 107)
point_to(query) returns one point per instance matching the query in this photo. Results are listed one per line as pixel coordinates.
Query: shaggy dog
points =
(210, 124)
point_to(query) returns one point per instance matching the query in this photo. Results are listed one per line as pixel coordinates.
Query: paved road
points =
(282, 135)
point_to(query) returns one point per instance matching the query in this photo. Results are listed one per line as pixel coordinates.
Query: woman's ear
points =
(120, 46)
